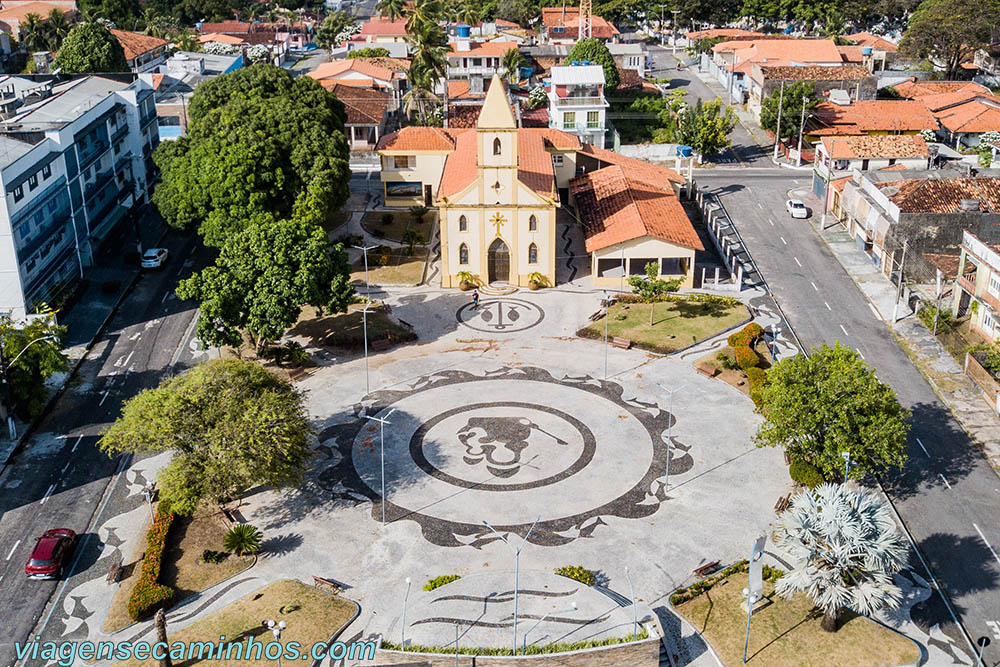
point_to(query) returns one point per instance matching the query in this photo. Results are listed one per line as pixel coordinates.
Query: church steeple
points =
(496, 113)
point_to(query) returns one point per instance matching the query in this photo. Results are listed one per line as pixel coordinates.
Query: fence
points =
(727, 242)
(984, 380)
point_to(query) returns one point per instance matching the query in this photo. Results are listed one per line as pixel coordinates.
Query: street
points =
(60, 478)
(947, 493)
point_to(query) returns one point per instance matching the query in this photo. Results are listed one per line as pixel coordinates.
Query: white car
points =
(154, 258)
(796, 208)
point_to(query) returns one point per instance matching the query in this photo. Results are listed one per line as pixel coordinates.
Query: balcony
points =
(967, 281)
(88, 156)
(99, 182)
(570, 127)
(147, 119)
(594, 126)
(595, 101)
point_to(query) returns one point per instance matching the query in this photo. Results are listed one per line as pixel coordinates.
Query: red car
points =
(51, 554)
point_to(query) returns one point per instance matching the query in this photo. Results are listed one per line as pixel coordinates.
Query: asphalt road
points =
(947, 494)
(60, 478)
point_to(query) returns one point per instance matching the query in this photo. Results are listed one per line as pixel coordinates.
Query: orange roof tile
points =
(364, 106)
(874, 41)
(337, 67)
(851, 54)
(135, 43)
(553, 17)
(940, 195)
(815, 72)
(481, 49)
(639, 169)
(722, 32)
(534, 164)
(416, 138)
(876, 116)
(915, 89)
(18, 13)
(876, 146)
(616, 207)
(226, 26)
(944, 100)
(383, 26)
(978, 115)
(221, 38)
(788, 50)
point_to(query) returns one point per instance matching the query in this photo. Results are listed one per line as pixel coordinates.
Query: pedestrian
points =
(475, 299)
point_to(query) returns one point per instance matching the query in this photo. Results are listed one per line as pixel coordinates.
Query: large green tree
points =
(949, 31)
(593, 50)
(260, 141)
(123, 13)
(262, 278)
(705, 126)
(333, 26)
(232, 425)
(91, 48)
(36, 365)
(820, 406)
(791, 107)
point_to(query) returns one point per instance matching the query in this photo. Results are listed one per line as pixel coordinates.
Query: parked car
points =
(51, 554)
(796, 208)
(154, 258)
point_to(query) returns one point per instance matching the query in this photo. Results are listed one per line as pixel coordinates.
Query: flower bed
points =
(148, 594)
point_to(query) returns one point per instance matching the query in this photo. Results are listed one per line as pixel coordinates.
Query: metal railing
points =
(580, 101)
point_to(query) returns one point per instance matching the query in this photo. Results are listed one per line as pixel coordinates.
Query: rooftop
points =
(364, 106)
(876, 146)
(383, 26)
(915, 89)
(68, 102)
(226, 26)
(942, 195)
(722, 32)
(802, 51)
(981, 114)
(135, 43)
(577, 74)
(17, 14)
(569, 19)
(874, 41)
(359, 65)
(874, 116)
(480, 49)
(815, 72)
(414, 138)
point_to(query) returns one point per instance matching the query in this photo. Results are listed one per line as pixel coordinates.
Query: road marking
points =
(875, 312)
(827, 306)
(783, 240)
(844, 330)
(47, 494)
(63, 471)
(982, 537)
(814, 285)
(760, 206)
(13, 549)
(129, 358)
(797, 261)
(120, 361)
(104, 397)
(75, 444)
(993, 625)
(860, 353)
(771, 221)
(135, 336)
(926, 453)
(945, 481)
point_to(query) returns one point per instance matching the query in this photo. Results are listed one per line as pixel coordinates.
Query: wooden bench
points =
(621, 343)
(783, 503)
(706, 569)
(115, 572)
(596, 316)
(707, 370)
(328, 583)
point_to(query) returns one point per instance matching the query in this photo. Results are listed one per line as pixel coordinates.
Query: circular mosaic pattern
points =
(461, 449)
(501, 315)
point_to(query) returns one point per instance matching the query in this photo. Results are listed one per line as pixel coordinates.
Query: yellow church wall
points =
(425, 168)
(643, 248)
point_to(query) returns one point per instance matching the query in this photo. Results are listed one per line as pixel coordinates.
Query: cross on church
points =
(497, 221)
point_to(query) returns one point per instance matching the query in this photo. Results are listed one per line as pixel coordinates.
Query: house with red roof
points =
(143, 53)
(732, 61)
(377, 73)
(561, 25)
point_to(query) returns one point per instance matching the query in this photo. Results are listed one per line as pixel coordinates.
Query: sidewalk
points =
(746, 118)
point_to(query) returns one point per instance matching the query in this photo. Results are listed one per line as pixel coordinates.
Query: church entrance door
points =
(499, 261)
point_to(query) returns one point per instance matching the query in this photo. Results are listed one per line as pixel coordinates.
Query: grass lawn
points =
(181, 569)
(312, 617)
(347, 329)
(787, 633)
(399, 269)
(401, 221)
(676, 324)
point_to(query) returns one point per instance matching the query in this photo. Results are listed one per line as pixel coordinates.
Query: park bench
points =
(707, 370)
(621, 343)
(706, 569)
(328, 583)
(596, 316)
(115, 572)
(783, 503)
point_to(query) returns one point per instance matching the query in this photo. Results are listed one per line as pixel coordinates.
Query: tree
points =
(706, 126)
(39, 362)
(123, 13)
(260, 141)
(516, 11)
(791, 107)
(33, 33)
(231, 424)
(593, 50)
(369, 52)
(91, 48)
(429, 63)
(58, 26)
(263, 277)
(949, 31)
(160, 625)
(423, 14)
(390, 9)
(652, 286)
(844, 548)
(469, 13)
(334, 25)
(243, 539)
(820, 406)
(512, 62)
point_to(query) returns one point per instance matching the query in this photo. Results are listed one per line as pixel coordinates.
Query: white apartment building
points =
(576, 102)
(75, 157)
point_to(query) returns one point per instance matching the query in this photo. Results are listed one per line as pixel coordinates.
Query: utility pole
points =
(899, 289)
(937, 298)
(777, 134)
(661, 23)
(802, 128)
(673, 28)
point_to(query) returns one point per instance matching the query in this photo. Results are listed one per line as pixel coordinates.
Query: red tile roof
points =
(226, 26)
(552, 17)
(221, 38)
(364, 106)
(17, 13)
(638, 168)
(722, 32)
(135, 43)
(360, 65)
(535, 118)
(383, 26)
(939, 195)
(786, 50)
(460, 167)
(978, 115)
(481, 49)
(874, 116)
(534, 163)
(616, 206)
(874, 41)
(415, 138)
(815, 72)
(915, 89)
(876, 146)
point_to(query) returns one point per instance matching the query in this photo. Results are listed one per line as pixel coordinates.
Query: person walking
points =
(475, 299)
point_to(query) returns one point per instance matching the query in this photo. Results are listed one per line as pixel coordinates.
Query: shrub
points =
(746, 358)
(577, 573)
(438, 582)
(418, 212)
(243, 539)
(149, 595)
(385, 219)
(805, 473)
(726, 361)
(210, 556)
(944, 321)
(757, 377)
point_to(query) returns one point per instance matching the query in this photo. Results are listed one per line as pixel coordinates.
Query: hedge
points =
(149, 595)
(805, 473)
(757, 377)
(578, 573)
(682, 298)
(530, 649)
(681, 595)
(746, 358)
(438, 582)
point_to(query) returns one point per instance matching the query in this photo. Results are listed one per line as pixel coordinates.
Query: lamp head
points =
(282, 625)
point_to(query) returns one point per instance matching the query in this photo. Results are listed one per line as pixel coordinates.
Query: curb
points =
(336, 635)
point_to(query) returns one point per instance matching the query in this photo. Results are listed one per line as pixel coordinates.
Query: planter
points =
(465, 286)
(533, 285)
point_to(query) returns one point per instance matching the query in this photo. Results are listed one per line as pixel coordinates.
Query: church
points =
(497, 188)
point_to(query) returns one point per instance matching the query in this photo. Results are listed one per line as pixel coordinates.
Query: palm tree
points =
(468, 13)
(429, 64)
(57, 28)
(418, 98)
(242, 539)
(390, 9)
(187, 41)
(423, 14)
(845, 547)
(33, 33)
(512, 62)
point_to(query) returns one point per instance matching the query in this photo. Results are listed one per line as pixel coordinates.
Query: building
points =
(561, 25)
(475, 62)
(498, 188)
(879, 52)
(367, 110)
(361, 73)
(143, 53)
(854, 81)
(840, 156)
(732, 61)
(577, 104)
(915, 89)
(869, 117)
(964, 116)
(378, 30)
(13, 15)
(75, 157)
(987, 60)
(979, 281)
(175, 83)
(544, 57)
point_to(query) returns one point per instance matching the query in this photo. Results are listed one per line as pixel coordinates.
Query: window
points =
(401, 161)
(532, 224)
(47, 171)
(864, 165)
(19, 193)
(496, 146)
(994, 286)
(989, 324)
(569, 120)
(671, 266)
(532, 254)
(86, 174)
(477, 62)
(593, 119)
(463, 224)
(463, 254)
(32, 181)
(557, 160)
(892, 161)
(557, 30)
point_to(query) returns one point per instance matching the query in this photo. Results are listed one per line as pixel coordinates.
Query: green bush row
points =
(944, 321)
(683, 298)
(438, 582)
(681, 595)
(148, 594)
(805, 473)
(532, 649)
(578, 573)
(756, 377)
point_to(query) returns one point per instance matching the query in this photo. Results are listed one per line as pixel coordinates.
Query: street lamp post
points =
(670, 429)
(365, 249)
(802, 129)
(364, 322)
(607, 316)
(382, 421)
(276, 629)
(517, 566)
(775, 332)
(524, 642)
(673, 29)
(147, 494)
(635, 612)
(402, 630)
(777, 133)
(8, 400)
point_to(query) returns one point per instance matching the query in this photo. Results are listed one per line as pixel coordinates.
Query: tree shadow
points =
(813, 614)
(280, 545)
(963, 566)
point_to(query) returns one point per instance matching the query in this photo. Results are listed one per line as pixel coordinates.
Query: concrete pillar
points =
(703, 276)
(716, 275)
(739, 276)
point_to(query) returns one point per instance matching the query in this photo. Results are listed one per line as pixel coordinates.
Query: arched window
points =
(463, 224)
(496, 146)
(532, 224)
(463, 254)
(532, 254)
